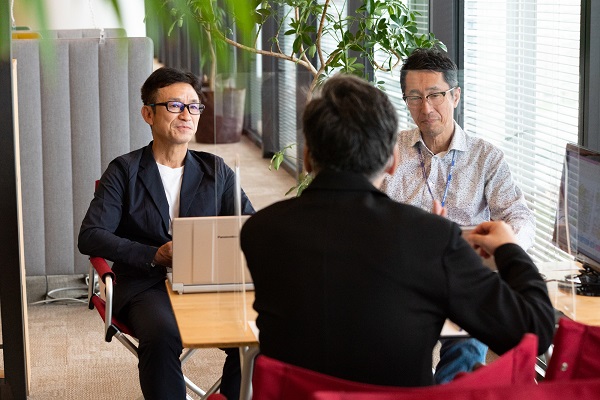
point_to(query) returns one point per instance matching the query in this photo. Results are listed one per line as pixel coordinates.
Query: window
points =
(521, 93)
(293, 85)
(287, 97)
(254, 77)
(392, 79)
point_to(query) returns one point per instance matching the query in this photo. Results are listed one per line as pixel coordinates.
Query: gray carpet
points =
(70, 360)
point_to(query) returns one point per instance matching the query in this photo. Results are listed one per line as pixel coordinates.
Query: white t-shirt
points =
(171, 180)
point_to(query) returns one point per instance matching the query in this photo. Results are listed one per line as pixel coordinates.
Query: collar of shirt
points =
(482, 186)
(458, 142)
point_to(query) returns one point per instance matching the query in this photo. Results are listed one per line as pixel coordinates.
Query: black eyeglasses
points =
(176, 107)
(435, 99)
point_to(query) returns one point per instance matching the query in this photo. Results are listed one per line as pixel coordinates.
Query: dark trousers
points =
(150, 316)
(232, 374)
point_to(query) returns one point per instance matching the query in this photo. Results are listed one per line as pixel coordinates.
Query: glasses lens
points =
(436, 98)
(414, 101)
(175, 106)
(194, 108)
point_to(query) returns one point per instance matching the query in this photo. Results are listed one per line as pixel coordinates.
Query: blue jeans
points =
(458, 355)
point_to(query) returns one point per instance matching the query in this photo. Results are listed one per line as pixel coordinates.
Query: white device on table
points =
(207, 255)
(206, 251)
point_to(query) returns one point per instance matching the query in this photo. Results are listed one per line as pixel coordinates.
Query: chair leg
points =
(126, 342)
(186, 355)
(193, 387)
(213, 388)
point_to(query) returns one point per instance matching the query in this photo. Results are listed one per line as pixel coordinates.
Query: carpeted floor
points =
(71, 361)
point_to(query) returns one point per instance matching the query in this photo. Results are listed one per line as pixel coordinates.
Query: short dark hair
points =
(166, 76)
(430, 60)
(350, 126)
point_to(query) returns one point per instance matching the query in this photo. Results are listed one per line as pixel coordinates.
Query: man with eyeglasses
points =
(446, 171)
(129, 223)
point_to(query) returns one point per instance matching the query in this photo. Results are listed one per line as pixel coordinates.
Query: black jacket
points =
(353, 284)
(128, 219)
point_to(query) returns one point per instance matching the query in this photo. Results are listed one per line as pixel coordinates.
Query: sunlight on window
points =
(521, 92)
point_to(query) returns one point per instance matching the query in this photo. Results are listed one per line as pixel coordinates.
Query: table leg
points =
(247, 356)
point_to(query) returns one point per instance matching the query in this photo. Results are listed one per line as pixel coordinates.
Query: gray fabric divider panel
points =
(114, 99)
(27, 54)
(56, 142)
(85, 133)
(141, 53)
(75, 117)
(82, 33)
(108, 33)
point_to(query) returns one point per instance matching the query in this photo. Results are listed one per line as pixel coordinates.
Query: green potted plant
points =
(378, 35)
(379, 32)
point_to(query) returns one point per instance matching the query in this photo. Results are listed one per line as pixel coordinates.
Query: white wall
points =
(84, 14)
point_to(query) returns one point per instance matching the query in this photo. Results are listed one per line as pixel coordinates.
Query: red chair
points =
(576, 353)
(573, 373)
(113, 328)
(580, 390)
(276, 380)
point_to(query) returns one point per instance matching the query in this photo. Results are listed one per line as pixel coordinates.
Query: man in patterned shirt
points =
(446, 171)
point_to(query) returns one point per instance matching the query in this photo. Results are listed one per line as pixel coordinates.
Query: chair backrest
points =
(576, 353)
(79, 107)
(567, 390)
(275, 380)
(516, 366)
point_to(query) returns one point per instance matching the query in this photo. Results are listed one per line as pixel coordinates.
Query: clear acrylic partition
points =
(562, 276)
(232, 127)
(561, 285)
(577, 231)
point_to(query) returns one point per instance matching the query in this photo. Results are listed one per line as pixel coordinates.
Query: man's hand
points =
(488, 236)
(438, 209)
(164, 255)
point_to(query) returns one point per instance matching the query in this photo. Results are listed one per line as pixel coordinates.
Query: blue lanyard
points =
(425, 175)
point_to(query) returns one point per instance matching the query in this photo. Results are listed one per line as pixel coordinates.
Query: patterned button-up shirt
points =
(481, 187)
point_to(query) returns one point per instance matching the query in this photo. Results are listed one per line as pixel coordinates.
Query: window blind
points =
(521, 93)
(391, 80)
(254, 81)
(338, 9)
(289, 127)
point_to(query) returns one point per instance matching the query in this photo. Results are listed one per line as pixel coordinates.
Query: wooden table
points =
(587, 310)
(219, 320)
(584, 309)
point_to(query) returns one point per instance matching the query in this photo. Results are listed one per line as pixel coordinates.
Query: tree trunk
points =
(225, 111)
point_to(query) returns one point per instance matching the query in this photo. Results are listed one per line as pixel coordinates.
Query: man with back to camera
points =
(129, 223)
(337, 288)
(442, 169)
